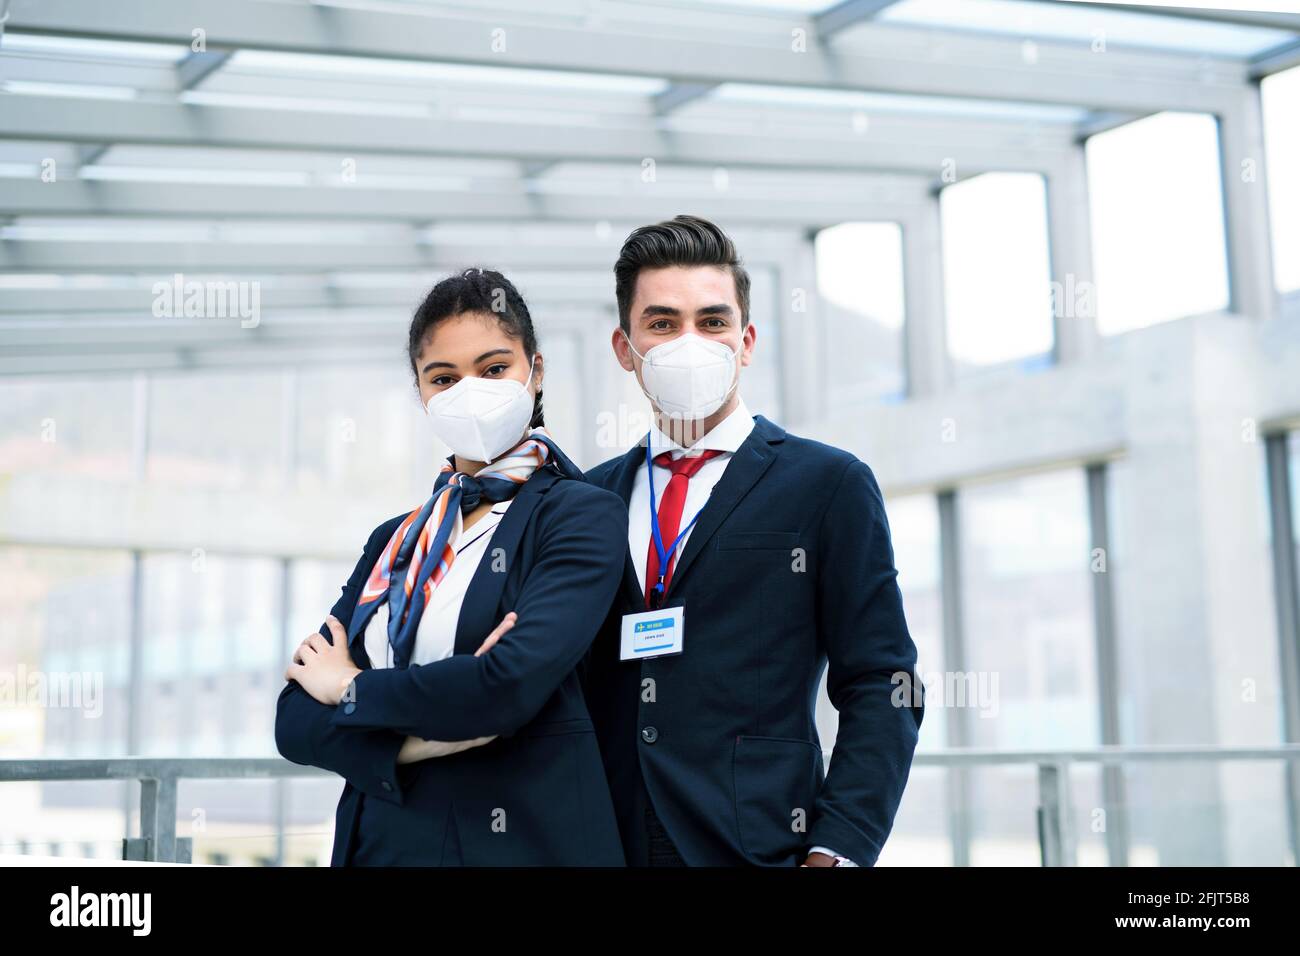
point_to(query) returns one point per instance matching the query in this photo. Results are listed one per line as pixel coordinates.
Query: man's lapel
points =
(747, 465)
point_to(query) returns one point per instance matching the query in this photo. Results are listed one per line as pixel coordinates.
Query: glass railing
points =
(1050, 807)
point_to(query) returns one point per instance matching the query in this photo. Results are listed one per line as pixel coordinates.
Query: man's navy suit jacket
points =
(537, 795)
(789, 568)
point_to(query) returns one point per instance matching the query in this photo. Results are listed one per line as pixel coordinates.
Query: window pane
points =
(563, 388)
(860, 291)
(914, 531)
(920, 836)
(361, 430)
(997, 275)
(1281, 96)
(309, 817)
(1157, 221)
(1027, 598)
(80, 427)
(211, 646)
(64, 642)
(217, 429)
(761, 379)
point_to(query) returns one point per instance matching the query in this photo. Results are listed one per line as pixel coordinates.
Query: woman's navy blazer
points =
(536, 795)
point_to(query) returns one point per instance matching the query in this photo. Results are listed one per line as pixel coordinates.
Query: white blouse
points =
(435, 638)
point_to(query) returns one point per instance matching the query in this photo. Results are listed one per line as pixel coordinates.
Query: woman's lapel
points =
(479, 610)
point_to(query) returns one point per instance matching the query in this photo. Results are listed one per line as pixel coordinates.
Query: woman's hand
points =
(506, 624)
(415, 749)
(324, 670)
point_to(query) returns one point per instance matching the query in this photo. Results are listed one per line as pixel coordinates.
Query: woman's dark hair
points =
(476, 290)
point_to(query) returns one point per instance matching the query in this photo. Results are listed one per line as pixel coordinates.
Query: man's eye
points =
(659, 324)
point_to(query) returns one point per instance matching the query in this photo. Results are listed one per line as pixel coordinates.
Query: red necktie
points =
(670, 512)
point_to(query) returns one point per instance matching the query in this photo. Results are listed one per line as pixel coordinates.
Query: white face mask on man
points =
(481, 418)
(689, 377)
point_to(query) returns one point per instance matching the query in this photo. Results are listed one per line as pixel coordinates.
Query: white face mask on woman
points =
(688, 377)
(480, 418)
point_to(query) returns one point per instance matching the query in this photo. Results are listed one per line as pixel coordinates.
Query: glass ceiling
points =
(1082, 21)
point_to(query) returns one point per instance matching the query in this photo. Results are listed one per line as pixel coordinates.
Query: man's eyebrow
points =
(659, 310)
(720, 309)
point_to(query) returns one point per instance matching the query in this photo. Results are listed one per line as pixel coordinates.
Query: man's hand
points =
(818, 859)
(324, 670)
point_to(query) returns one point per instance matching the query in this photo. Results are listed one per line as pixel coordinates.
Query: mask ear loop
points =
(631, 346)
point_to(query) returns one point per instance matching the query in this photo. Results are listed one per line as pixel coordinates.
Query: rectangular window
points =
(1158, 245)
(1281, 102)
(997, 274)
(860, 295)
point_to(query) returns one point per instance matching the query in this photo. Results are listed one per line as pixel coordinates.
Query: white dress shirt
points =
(727, 437)
(435, 637)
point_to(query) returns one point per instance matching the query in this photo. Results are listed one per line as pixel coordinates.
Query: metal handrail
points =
(159, 777)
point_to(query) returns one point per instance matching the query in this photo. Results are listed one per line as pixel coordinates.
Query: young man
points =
(771, 561)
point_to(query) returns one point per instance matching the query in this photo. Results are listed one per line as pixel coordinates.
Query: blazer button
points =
(649, 734)
(349, 707)
(386, 785)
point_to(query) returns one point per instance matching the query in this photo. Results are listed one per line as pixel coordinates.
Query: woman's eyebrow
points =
(488, 354)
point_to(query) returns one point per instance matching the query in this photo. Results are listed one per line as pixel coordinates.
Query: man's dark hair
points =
(475, 290)
(681, 241)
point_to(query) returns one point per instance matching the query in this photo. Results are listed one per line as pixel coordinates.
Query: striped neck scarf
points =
(422, 549)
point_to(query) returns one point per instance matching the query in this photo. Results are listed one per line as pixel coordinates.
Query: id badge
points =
(652, 634)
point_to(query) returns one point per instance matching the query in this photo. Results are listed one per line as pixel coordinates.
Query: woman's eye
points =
(441, 380)
(495, 369)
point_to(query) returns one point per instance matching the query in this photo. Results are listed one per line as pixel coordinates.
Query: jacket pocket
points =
(776, 781)
(758, 540)
(575, 725)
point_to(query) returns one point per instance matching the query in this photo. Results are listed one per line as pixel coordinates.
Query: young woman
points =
(443, 686)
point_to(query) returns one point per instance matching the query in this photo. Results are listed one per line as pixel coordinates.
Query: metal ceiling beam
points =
(88, 154)
(23, 308)
(75, 257)
(679, 94)
(561, 269)
(264, 258)
(1276, 60)
(846, 14)
(198, 66)
(886, 199)
(897, 144)
(1101, 122)
(888, 58)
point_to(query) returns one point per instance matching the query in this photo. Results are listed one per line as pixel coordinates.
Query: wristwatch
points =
(843, 861)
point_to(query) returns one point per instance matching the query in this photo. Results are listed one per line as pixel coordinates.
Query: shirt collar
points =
(728, 435)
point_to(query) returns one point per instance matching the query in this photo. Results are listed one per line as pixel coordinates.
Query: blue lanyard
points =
(655, 536)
